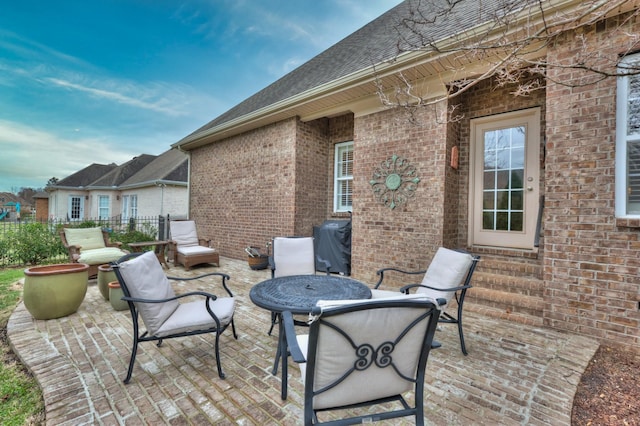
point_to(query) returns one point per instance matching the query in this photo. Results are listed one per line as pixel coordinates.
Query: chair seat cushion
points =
(100, 255)
(193, 250)
(193, 316)
(382, 294)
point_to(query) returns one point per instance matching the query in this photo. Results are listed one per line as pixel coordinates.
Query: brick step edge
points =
(505, 301)
(492, 312)
(509, 284)
(510, 268)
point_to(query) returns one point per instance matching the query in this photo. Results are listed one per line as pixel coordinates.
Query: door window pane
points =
(504, 179)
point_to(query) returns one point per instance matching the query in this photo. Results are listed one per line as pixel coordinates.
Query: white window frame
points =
(103, 206)
(76, 205)
(125, 208)
(129, 207)
(133, 206)
(339, 176)
(624, 139)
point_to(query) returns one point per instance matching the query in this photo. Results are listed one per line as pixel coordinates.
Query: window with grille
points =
(103, 206)
(628, 139)
(343, 177)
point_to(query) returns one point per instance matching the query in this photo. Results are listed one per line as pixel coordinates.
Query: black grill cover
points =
(332, 241)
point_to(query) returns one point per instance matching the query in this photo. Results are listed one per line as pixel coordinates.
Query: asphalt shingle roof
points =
(172, 165)
(123, 172)
(380, 40)
(86, 176)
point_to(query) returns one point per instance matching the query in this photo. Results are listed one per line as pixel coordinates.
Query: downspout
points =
(188, 154)
(162, 186)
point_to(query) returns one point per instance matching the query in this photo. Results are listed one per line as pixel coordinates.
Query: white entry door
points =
(505, 178)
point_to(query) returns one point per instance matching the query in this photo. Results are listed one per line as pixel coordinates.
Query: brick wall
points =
(312, 169)
(408, 235)
(273, 181)
(242, 188)
(591, 265)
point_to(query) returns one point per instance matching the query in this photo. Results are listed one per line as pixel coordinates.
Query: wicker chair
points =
(90, 246)
(188, 248)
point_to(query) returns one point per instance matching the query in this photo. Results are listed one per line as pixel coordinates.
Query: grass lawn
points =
(20, 397)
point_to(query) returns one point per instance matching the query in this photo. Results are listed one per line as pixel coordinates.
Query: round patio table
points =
(299, 294)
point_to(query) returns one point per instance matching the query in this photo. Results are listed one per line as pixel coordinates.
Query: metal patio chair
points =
(293, 256)
(149, 294)
(448, 276)
(365, 353)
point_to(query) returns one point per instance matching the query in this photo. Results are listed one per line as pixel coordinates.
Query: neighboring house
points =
(144, 186)
(41, 201)
(11, 205)
(563, 251)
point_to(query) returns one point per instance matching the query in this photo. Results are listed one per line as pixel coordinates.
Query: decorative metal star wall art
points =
(394, 181)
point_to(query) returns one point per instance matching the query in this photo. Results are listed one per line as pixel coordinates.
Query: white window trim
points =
(101, 198)
(622, 140)
(337, 207)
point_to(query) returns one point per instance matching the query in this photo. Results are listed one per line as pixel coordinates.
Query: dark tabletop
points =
(300, 293)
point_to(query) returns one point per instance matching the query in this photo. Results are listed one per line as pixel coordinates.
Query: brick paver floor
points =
(513, 375)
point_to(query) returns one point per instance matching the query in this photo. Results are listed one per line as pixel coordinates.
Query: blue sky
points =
(102, 81)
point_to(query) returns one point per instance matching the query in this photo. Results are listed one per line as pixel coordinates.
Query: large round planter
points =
(55, 291)
(105, 276)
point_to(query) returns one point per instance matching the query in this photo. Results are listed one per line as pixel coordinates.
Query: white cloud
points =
(30, 157)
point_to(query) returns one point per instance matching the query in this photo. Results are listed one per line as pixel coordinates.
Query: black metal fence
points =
(29, 241)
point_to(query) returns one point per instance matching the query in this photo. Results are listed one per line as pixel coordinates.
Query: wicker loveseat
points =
(90, 246)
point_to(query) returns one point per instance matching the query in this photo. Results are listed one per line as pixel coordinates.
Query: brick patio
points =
(514, 374)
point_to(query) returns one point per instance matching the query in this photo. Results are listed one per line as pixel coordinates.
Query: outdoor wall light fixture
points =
(394, 181)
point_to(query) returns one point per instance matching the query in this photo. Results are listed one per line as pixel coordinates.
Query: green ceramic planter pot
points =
(115, 294)
(54, 291)
(105, 276)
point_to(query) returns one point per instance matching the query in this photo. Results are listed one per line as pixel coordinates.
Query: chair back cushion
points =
(86, 238)
(293, 256)
(448, 269)
(145, 279)
(183, 232)
(373, 347)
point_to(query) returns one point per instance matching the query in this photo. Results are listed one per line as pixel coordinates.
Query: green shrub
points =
(33, 243)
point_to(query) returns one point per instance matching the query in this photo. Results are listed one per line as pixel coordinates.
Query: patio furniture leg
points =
(132, 360)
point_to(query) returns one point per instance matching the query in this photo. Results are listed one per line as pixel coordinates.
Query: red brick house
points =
(531, 183)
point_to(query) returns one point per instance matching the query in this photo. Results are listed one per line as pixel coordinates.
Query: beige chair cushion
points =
(293, 256)
(375, 327)
(145, 279)
(192, 250)
(100, 255)
(194, 316)
(183, 232)
(86, 238)
(448, 269)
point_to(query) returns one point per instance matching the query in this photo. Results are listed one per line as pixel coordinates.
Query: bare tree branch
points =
(511, 38)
